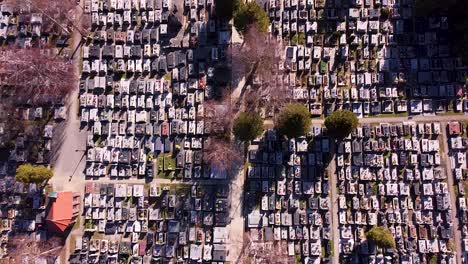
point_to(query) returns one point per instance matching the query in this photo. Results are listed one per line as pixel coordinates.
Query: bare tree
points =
(258, 59)
(264, 252)
(219, 116)
(21, 246)
(11, 122)
(222, 154)
(220, 150)
(35, 76)
(60, 13)
(259, 54)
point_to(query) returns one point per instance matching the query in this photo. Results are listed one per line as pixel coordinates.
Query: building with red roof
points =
(64, 208)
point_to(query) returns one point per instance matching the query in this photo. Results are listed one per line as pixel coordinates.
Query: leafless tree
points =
(219, 115)
(20, 246)
(60, 13)
(35, 76)
(223, 154)
(220, 150)
(264, 253)
(259, 54)
(11, 122)
(258, 59)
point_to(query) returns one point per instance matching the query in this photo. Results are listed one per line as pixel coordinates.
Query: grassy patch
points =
(297, 259)
(403, 114)
(169, 162)
(331, 245)
(450, 113)
(465, 187)
(167, 77)
(178, 188)
(77, 223)
(98, 235)
(166, 165)
(72, 244)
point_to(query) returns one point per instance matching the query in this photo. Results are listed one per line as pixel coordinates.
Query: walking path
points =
(453, 197)
(334, 206)
(71, 140)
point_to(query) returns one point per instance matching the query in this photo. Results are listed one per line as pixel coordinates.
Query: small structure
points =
(63, 209)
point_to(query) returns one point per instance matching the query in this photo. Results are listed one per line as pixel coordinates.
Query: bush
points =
(225, 9)
(293, 121)
(28, 173)
(341, 123)
(251, 14)
(298, 39)
(248, 126)
(385, 13)
(381, 237)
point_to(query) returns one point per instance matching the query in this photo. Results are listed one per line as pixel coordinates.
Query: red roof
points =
(60, 215)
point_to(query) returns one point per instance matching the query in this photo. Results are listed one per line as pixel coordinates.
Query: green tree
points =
(340, 123)
(385, 13)
(381, 237)
(293, 121)
(248, 126)
(251, 14)
(28, 173)
(225, 9)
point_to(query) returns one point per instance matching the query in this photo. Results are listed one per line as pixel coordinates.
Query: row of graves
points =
(136, 223)
(458, 146)
(364, 56)
(22, 206)
(143, 87)
(391, 175)
(18, 26)
(286, 196)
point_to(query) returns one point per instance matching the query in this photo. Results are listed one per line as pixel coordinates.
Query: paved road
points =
(236, 214)
(453, 197)
(334, 206)
(70, 161)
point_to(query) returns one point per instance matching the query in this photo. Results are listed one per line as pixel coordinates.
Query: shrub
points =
(385, 13)
(248, 126)
(341, 123)
(251, 14)
(298, 39)
(381, 237)
(28, 173)
(293, 121)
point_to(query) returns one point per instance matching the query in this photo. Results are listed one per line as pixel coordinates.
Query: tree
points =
(385, 13)
(253, 61)
(225, 9)
(251, 14)
(341, 123)
(20, 246)
(34, 75)
(221, 154)
(28, 173)
(248, 126)
(433, 259)
(293, 121)
(60, 13)
(381, 237)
